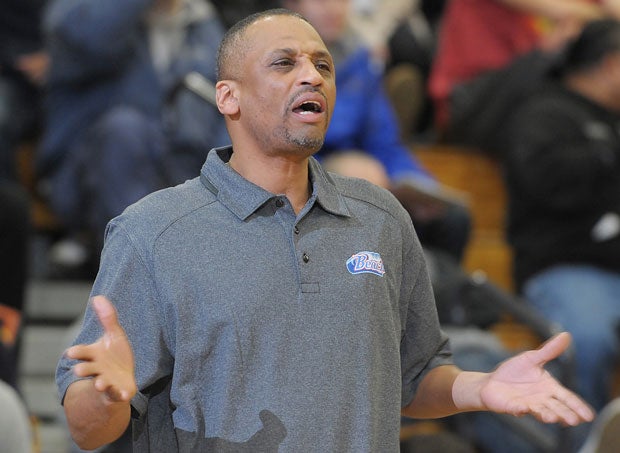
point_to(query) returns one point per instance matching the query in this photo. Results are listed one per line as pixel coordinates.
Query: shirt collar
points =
(243, 198)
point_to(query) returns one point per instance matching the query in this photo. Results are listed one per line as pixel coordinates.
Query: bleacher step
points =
(56, 301)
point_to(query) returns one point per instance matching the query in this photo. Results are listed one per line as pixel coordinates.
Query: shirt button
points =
(296, 230)
(279, 203)
(305, 257)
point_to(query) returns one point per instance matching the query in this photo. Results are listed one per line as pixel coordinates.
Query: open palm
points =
(521, 385)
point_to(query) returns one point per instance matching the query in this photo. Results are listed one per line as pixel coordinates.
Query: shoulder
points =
(551, 98)
(149, 217)
(552, 108)
(361, 194)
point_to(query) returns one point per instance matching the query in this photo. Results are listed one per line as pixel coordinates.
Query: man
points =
(563, 177)
(268, 305)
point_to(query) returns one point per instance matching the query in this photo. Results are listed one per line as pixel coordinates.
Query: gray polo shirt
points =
(255, 329)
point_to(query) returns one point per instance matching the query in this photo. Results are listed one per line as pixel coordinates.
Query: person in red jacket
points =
(478, 36)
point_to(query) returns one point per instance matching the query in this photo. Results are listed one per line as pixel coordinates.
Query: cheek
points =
(331, 99)
(260, 102)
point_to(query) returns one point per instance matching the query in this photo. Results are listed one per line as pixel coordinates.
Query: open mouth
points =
(308, 107)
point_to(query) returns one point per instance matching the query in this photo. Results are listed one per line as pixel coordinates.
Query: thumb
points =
(107, 314)
(552, 348)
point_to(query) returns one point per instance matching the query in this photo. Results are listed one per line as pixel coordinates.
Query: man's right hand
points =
(109, 360)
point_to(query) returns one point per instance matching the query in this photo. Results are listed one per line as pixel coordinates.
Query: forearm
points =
(557, 9)
(94, 420)
(447, 390)
(467, 391)
(433, 398)
(612, 7)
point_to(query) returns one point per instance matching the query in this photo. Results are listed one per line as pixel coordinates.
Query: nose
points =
(309, 74)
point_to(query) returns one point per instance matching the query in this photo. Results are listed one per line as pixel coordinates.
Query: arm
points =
(34, 66)
(93, 419)
(558, 10)
(434, 396)
(612, 7)
(518, 386)
(98, 409)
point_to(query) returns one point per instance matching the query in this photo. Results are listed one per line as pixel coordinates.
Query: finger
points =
(86, 369)
(543, 413)
(569, 412)
(80, 352)
(552, 348)
(107, 314)
(559, 412)
(114, 392)
(576, 405)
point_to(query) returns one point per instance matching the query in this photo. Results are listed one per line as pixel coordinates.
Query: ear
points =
(226, 97)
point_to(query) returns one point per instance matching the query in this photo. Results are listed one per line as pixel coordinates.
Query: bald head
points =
(233, 47)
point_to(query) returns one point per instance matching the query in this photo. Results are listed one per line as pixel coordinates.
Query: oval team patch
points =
(366, 262)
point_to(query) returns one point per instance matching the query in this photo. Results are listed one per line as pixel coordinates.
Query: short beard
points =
(305, 144)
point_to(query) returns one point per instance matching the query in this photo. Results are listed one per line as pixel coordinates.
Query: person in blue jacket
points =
(364, 121)
(128, 103)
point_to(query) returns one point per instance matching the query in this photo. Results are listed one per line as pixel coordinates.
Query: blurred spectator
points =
(562, 168)
(399, 36)
(14, 250)
(231, 11)
(129, 106)
(376, 21)
(479, 36)
(23, 67)
(363, 120)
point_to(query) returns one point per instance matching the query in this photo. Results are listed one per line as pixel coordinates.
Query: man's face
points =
(286, 86)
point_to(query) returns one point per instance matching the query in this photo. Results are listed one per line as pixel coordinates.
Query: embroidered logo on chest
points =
(366, 262)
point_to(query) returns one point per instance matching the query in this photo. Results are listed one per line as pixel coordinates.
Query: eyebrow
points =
(290, 51)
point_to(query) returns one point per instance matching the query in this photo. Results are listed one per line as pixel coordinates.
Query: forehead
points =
(279, 32)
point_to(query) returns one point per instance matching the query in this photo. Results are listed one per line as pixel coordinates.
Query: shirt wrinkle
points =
(149, 271)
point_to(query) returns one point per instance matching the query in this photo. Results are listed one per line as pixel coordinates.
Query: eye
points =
(284, 62)
(323, 66)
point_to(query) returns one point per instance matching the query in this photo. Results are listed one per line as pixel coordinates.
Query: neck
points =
(286, 175)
